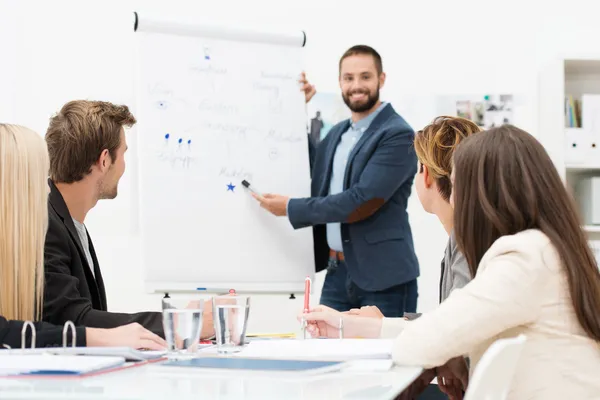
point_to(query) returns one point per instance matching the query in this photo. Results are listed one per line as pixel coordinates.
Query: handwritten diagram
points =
(238, 173)
(177, 153)
(244, 127)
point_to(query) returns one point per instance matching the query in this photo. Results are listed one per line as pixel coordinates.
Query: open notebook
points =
(318, 349)
(45, 364)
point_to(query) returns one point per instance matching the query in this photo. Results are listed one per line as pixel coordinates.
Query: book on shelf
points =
(572, 112)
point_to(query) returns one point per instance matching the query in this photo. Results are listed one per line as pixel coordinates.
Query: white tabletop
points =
(148, 384)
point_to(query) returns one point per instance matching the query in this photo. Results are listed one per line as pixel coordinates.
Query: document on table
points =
(320, 349)
(128, 353)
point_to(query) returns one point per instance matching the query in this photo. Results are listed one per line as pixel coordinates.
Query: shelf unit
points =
(592, 229)
(570, 75)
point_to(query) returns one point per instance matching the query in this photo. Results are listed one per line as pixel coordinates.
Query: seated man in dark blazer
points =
(362, 177)
(86, 142)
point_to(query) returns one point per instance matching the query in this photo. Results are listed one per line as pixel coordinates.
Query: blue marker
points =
(216, 290)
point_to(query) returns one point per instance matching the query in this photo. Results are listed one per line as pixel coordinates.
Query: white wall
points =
(55, 51)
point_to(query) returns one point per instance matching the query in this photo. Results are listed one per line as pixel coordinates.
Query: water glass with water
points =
(182, 323)
(230, 315)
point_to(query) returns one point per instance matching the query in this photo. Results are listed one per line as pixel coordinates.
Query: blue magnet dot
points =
(189, 141)
(180, 140)
(167, 136)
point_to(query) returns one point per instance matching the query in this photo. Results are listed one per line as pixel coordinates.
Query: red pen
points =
(306, 295)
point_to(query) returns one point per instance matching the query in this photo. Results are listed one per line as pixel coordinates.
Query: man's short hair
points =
(80, 132)
(363, 49)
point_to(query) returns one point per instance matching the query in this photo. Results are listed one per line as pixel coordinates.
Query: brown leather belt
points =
(336, 255)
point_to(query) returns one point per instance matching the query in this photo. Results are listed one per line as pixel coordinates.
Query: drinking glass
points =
(182, 323)
(230, 313)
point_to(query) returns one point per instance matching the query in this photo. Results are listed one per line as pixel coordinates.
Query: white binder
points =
(126, 353)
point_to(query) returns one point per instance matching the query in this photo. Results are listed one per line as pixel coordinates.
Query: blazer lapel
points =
(58, 203)
(329, 154)
(98, 275)
(377, 122)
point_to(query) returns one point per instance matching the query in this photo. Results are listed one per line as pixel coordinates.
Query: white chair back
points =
(494, 373)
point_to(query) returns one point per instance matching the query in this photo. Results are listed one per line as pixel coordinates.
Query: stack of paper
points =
(320, 349)
(125, 352)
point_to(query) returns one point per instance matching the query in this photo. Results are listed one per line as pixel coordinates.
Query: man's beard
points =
(107, 193)
(362, 107)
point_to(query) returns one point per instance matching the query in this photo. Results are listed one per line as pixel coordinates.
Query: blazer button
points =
(346, 240)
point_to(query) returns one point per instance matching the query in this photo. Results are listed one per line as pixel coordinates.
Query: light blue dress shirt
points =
(340, 160)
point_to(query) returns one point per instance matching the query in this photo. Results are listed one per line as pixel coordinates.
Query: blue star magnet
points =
(230, 187)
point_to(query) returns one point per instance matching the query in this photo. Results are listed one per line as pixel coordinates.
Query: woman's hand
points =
(131, 335)
(453, 377)
(366, 311)
(323, 321)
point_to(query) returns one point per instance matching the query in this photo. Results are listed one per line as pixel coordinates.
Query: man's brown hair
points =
(363, 49)
(78, 135)
(435, 146)
(506, 183)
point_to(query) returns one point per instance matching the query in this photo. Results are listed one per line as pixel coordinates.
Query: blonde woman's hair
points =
(435, 145)
(24, 168)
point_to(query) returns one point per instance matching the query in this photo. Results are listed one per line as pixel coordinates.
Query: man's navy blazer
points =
(376, 236)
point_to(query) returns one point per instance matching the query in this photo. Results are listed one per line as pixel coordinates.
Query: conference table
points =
(151, 383)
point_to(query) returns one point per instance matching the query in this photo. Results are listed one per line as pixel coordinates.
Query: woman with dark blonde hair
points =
(24, 191)
(434, 146)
